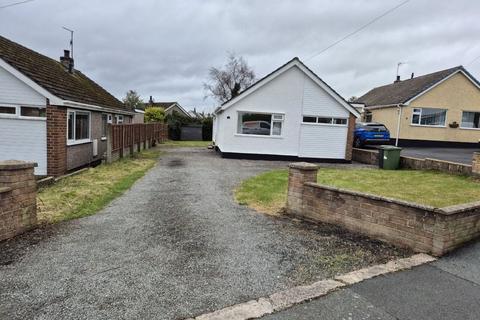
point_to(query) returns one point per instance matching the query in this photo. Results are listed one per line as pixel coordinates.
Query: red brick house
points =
(52, 113)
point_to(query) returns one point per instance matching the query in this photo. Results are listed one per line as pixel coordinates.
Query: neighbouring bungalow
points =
(436, 109)
(169, 107)
(290, 113)
(51, 113)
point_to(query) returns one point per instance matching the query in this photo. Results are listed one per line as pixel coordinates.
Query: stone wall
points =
(365, 156)
(421, 228)
(18, 192)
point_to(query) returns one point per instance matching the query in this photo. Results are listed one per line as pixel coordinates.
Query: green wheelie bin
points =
(389, 157)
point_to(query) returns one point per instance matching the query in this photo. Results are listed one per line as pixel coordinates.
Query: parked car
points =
(370, 133)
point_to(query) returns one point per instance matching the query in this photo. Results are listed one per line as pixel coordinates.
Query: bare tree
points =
(224, 84)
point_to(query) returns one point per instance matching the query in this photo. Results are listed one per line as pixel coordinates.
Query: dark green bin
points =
(389, 157)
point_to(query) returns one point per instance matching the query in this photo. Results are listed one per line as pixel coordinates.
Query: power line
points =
(359, 29)
(15, 4)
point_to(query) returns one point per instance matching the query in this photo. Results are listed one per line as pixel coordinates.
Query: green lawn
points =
(267, 192)
(87, 192)
(174, 143)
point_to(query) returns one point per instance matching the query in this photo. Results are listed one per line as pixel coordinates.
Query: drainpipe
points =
(400, 112)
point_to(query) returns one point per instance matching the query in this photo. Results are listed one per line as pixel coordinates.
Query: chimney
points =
(397, 80)
(413, 75)
(67, 61)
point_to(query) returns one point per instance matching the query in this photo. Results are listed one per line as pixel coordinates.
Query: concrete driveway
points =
(460, 155)
(173, 246)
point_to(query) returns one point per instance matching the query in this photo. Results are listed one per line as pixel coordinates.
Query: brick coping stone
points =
(303, 166)
(16, 165)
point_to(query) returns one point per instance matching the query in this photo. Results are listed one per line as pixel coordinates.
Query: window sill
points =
(103, 138)
(257, 136)
(324, 124)
(74, 143)
(474, 129)
(426, 126)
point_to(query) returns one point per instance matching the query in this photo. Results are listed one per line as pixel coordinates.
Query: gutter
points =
(74, 104)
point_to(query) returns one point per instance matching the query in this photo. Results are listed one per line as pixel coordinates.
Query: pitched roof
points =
(54, 77)
(402, 91)
(295, 61)
(163, 105)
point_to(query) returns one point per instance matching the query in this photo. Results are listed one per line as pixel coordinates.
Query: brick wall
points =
(56, 140)
(421, 228)
(17, 198)
(350, 136)
(371, 157)
(365, 156)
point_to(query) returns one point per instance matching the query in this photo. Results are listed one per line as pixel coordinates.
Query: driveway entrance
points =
(175, 245)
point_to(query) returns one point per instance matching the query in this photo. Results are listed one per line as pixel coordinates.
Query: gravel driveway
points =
(173, 246)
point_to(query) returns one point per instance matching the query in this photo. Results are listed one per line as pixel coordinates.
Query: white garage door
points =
(24, 139)
(323, 141)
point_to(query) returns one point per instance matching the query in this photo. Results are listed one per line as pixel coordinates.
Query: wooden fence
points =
(125, 139)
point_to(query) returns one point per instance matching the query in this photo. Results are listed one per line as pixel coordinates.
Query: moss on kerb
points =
(16, 165)
(303, 166)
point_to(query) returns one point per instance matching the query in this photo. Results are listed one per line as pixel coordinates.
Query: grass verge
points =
(267, 192)
(86, 193)
(184, 144)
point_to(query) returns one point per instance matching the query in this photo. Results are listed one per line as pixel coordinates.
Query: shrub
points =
(154, 114)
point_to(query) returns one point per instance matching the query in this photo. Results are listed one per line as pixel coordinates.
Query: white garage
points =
(290, 112)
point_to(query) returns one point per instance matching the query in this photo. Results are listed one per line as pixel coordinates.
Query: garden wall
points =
(18, 192)
(421, 228)
(371, 157)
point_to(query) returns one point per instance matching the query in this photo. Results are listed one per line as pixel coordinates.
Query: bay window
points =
(263, 124)
(78, 126)
(470, 120)
(429, 117)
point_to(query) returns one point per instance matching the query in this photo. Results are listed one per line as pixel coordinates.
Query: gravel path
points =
(173, 246)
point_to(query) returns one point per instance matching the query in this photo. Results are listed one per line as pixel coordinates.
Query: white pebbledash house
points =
(290, 113)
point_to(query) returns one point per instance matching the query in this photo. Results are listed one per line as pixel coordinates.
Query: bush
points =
(207, 128)
(154, 114)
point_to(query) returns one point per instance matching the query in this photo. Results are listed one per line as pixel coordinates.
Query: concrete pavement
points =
(446, 289)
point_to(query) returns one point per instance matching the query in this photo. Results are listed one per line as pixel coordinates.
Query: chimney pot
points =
(397, 80)
(412, 75)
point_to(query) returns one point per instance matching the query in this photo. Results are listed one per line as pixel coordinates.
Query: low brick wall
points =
(371, 157)
(421, 228)
(18, 198)
(365, 156)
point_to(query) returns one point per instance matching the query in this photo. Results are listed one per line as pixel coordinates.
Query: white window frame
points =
(316, 123)
(109, 119)
(17, 114)
(461, 121)
(119, 118)
(74, 141)
(419, 113)
(281, 119)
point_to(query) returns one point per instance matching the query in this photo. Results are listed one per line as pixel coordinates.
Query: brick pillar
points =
(298, 174)
(56, 140)
(476, 163)
(18, 198)
(350, 135)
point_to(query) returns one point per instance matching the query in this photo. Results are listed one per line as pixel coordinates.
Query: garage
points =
(24, 139)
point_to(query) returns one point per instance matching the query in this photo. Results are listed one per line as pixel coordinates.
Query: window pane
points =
(82, 123)
(471, 119)
(340, 121)
(254, 123)
(310, 119)
(277, 128)
(325, 120)
(7, 110)
(32, 112)
(104, 125)
(433, 117)
(70, 125)
(416, 119)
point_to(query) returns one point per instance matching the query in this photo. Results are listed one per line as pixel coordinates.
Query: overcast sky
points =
(164, 48)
